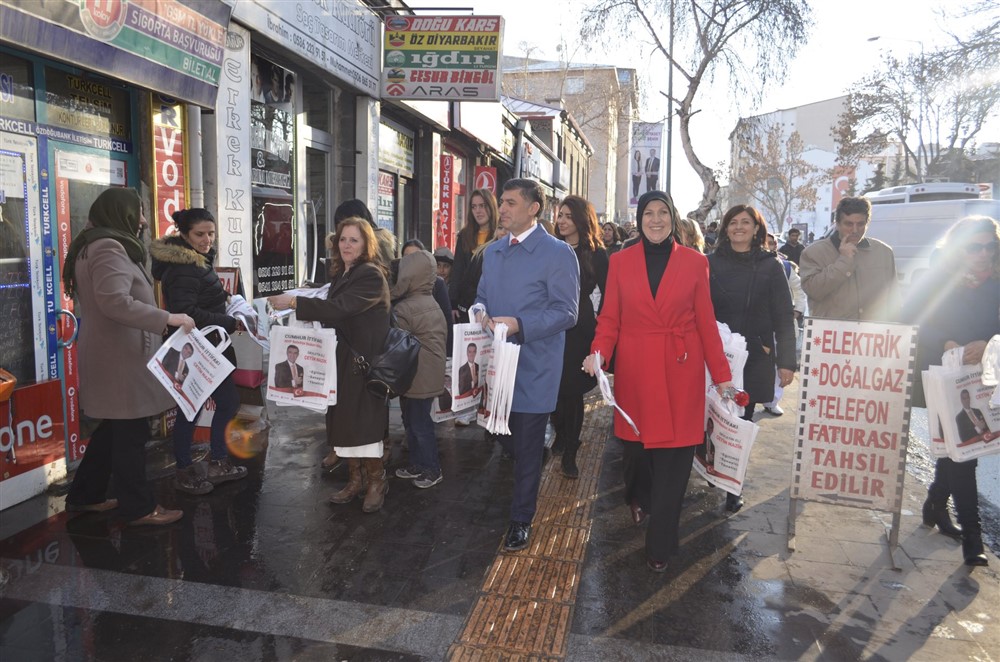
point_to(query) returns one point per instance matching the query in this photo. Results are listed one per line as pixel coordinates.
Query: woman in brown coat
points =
(357, 306)
(417, 312)
(120, 331)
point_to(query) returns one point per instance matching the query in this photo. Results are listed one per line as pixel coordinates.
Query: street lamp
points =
(920, 109)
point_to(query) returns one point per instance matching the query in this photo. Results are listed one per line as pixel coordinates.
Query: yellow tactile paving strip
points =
(525, 607)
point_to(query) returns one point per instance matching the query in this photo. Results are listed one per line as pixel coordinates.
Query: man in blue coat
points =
(530, 282)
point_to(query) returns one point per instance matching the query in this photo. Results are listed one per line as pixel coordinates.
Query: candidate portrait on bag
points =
(289, 374)
(468, 374)
(971, 421)
(177, 364)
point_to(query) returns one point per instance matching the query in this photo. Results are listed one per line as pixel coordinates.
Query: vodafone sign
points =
(485, 177)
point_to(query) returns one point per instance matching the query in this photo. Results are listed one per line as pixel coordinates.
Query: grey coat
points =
(418, 312)
(120, 329)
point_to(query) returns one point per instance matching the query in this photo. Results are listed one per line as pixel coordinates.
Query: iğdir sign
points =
(854, 409)
(442, 57)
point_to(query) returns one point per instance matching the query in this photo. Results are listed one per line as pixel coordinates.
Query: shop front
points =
(75, 120)
(292, 136)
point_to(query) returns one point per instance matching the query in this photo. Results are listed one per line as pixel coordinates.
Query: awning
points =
(173, 47)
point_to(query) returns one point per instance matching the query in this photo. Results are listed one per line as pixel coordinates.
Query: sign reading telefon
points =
(854, 415)
(444, 228)
(168, 161)
(442, 57)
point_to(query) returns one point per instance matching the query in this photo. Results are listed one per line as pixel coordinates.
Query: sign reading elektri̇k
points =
(854, 413)
(442, 58)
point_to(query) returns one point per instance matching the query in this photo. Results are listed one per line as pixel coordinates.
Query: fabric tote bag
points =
(190, 367)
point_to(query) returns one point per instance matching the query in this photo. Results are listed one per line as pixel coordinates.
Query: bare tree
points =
(981, 48)
(744, 42)
(770, 172)
(932, 105)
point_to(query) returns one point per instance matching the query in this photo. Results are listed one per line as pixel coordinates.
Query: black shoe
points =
(638, 514)
(569, 468)
(656, 566)
(935, 514)
(972, 550)
(517, 536)
(733, 502)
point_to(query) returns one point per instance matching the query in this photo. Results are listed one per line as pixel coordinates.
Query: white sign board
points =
(341, 37)
(854, 413)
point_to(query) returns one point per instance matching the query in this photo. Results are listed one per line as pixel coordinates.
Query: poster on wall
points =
(854, 406)
(272, 147)
(442, 57)
(386, 208)
(25, 285)
(644, 164)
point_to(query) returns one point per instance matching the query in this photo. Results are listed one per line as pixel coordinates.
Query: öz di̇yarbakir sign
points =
(854, 413)
(442, 58)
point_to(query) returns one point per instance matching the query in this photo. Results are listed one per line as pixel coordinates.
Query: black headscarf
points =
(115, 214)
(644, 201)
(657, 255)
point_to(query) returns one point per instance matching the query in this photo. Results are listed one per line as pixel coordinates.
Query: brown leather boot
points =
(353, 487)
(331, 461)
(377, 484)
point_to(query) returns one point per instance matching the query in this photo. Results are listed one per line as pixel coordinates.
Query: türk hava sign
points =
(444, 227)
(442, 57)
(854, 413)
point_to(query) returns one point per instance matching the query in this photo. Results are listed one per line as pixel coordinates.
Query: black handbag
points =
(390, 374)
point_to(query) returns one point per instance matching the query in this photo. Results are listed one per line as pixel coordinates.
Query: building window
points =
(574, 85)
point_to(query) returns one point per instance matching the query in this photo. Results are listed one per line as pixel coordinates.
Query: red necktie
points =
(514, 241)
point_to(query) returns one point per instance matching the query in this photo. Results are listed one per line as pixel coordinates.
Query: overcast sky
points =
(838, 53)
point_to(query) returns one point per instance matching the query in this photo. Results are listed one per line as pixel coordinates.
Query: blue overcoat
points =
(538, 282)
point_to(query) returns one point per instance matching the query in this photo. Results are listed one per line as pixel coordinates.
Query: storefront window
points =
(272, 141)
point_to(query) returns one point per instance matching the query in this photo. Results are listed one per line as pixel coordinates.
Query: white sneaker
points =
(774, 411)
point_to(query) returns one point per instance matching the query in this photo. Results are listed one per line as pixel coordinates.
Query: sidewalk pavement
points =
(266, 569)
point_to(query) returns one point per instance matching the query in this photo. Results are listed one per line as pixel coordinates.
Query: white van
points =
(913, 229)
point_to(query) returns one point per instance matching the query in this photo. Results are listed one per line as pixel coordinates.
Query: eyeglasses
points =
(976, 247)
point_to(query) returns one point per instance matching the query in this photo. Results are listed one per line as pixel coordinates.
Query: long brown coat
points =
(357, 306)
(120, 329)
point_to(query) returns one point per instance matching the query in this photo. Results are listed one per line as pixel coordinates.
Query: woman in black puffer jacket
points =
(183, 263)
(750, 294)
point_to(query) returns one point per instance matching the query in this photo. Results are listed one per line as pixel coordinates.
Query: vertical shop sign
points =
(387, 201)
(168, 161)
(444, 228)
(233, 148)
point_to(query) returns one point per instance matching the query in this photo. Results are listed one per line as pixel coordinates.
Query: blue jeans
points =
(227, 403)
(420, 436)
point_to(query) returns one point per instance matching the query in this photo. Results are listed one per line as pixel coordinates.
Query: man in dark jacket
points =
(792, 249)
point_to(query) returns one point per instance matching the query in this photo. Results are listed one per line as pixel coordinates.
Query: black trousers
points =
(526, 443)
(567, 420)
(638, 474)
(957, 479)
(117, 450)
(671, 468)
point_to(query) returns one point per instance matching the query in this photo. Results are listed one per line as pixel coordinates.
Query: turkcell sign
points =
(442, 58)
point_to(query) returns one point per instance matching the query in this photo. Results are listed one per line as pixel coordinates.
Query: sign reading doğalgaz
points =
(442, 57)
(854, 413)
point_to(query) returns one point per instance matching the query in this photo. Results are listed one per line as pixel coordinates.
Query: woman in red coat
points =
(658, 315)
